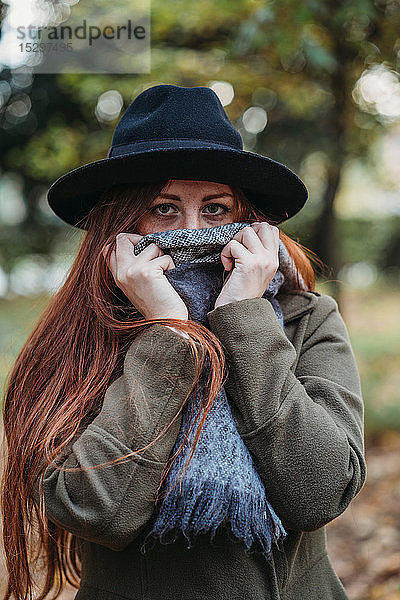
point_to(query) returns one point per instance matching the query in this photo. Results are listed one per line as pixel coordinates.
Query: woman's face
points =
(186, 204)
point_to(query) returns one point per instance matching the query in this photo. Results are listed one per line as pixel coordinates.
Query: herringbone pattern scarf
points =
(221, 484)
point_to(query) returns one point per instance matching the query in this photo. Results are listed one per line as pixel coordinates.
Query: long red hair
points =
(56, 385)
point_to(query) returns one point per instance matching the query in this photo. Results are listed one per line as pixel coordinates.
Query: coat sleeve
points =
(301, 417)
(110, 505)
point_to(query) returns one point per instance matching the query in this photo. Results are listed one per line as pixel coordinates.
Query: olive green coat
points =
(297, 404)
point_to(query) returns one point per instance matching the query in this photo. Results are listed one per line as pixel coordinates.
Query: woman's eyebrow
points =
(209, 197)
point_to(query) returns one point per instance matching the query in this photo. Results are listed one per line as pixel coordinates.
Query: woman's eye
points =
(214, 207)
(162, 209)
(166, 209)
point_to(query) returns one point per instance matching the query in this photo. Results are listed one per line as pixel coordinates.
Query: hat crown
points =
(165, 112)
(172, 132)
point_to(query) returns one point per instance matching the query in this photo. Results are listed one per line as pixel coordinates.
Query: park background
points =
(314, 85)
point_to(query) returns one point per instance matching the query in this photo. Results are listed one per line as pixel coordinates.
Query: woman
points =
(102, 398)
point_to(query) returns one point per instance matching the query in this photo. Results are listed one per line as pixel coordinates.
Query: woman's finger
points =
(268, 234)
(249, 238)
(165, 262)
(233, 250)
(126, 241)
(134, 237)
(126, 256)
(149, 252)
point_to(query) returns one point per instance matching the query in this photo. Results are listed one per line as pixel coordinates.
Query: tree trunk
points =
(325, 236)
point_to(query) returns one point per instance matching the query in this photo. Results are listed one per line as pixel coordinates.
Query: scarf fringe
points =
(228, 491)
(212, 504)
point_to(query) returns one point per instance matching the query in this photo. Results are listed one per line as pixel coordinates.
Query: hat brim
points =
(269, 185)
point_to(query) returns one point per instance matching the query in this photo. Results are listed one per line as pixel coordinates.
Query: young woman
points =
(96, 412)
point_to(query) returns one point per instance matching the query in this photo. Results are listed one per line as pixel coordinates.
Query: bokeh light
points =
(377, 91)
(34, 274)
(109, 106)
(12, 206)
(255, 119)
(224, 91)
(360, 274)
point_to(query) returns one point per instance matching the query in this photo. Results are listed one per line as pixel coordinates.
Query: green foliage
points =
(50, 153)
(366, 239)
(318, 56)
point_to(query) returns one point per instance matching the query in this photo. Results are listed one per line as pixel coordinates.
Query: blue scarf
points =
(221, 483)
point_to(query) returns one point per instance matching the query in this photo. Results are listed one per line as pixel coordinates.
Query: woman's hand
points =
(141, 278)
(252, 257)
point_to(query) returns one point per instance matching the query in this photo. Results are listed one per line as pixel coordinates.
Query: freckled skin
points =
(251, 255)
(191, 210)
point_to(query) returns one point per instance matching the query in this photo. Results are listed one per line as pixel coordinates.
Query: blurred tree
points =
(313, 56)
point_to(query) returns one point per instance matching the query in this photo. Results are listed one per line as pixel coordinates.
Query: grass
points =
(17, 318)
(373, 320)
(372, 316)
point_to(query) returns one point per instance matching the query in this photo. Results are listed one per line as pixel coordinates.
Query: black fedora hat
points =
(173, 132)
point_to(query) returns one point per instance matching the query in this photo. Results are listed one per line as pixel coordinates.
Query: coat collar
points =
(297, 303)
